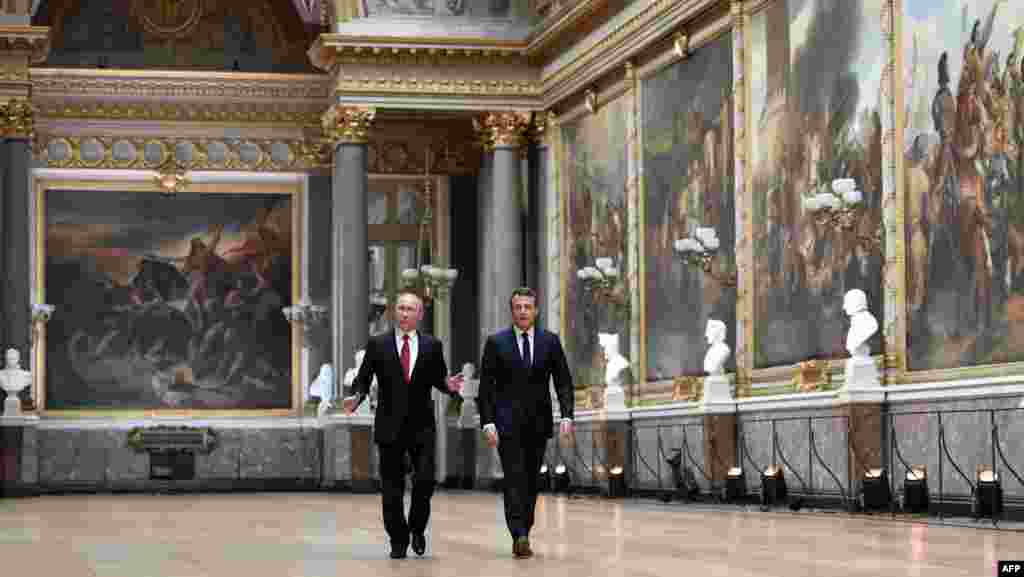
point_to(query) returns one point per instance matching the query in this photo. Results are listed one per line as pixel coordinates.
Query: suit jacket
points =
(515, 397)
(401, 405)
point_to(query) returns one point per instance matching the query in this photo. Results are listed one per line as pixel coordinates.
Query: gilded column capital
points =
(503, 129)
(17, 119)
(346, 124)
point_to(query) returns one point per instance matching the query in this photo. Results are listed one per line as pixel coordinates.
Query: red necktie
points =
(406, 357)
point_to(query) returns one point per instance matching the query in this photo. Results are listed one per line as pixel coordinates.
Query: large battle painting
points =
(816, 68)
(168, 301)
(688, 175)
(964, 130)
(595, 179)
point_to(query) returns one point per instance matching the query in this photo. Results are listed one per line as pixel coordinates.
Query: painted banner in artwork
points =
(168, 301)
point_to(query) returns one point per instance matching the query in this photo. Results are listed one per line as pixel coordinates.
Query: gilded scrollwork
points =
(348, 124)
(184, 112)
(17, 119)
(505, 128)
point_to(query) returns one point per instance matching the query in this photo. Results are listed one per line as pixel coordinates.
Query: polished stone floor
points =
(318, 534)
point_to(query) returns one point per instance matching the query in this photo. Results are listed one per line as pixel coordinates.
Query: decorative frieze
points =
(348, 124)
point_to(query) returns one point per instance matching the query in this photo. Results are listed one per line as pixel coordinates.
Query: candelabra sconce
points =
(842, 209)
(308, 315)
(601, 280)
(434, 282)
(700, 251)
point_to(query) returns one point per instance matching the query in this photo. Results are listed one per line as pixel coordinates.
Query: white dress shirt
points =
(414, 347)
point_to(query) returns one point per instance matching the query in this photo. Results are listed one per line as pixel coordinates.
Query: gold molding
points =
(331, 50)
(433, 86)
(260, 155)
(238, 87)
(85, 185)
(181, 112)
(960, 373)
(743, 200)
(348, 124)
(894, 207)
(17, 119)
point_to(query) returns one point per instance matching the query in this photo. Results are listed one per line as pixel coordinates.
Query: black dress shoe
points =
(398, 551)
(521, 548)
(419, 543)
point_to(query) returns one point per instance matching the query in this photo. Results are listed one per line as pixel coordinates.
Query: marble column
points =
(16, 221)
(501, 220)
(485, 292)
(348, 128)
(542, 217)
(319, 258)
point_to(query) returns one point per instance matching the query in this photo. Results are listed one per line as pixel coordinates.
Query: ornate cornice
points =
(620, 42)
(503, 129)
(17, 119)
(430, 86)
(543, 124)
(32, 40)
(348, 124)
(560, 18)
(331, 50)
(168, 84)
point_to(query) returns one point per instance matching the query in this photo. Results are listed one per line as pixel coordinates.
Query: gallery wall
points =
(934, 147)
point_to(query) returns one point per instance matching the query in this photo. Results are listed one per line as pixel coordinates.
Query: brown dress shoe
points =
(521, 548)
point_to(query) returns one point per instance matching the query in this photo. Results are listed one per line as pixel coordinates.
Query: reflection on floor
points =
(319, 534)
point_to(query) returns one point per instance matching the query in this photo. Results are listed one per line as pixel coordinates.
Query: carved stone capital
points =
(17, 119)
(503, 129)
(343, 124)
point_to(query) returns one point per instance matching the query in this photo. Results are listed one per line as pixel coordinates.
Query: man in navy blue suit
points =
(407, 364)
(515, 407)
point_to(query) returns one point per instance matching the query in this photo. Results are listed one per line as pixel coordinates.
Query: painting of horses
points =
(168, 302)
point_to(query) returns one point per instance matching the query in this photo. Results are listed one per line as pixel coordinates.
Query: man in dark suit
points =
(407, 364)
(515, 407)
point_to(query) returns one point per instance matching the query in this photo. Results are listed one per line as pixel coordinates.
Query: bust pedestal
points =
(469, 416)
(614, 398)
(718, 389)
(862, 373)
(12, 406)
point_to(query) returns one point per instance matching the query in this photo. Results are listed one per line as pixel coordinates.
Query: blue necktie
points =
(527, 357)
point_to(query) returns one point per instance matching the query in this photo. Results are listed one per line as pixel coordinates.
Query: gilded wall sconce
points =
(700, 250)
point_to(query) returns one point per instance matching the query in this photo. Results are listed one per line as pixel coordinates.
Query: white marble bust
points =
(863, 324)
(616, 364)
(718, 352)
(13, 379)
(470, 385)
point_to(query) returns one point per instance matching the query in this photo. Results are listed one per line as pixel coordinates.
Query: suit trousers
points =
(419, 446)
(521, 458)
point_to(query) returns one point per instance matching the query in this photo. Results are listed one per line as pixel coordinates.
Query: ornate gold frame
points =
(82, 182)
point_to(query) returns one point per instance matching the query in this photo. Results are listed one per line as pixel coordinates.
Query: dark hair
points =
(523, 292)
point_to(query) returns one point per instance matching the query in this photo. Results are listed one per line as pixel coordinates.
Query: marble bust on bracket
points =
(717, 385)
(13, 380)
(861, 371)
(615, 373)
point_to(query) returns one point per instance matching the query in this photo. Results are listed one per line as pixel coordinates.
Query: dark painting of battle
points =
(815, 117)
(168, 301)
(963, 182)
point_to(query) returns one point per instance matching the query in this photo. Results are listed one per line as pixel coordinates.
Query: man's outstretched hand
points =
(349, 404)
